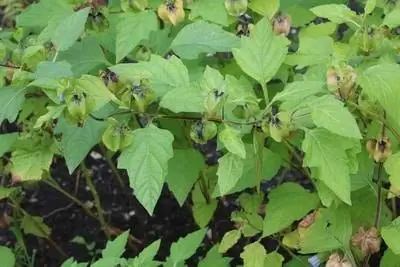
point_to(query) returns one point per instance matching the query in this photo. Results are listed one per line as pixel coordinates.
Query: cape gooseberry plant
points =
(310, 86)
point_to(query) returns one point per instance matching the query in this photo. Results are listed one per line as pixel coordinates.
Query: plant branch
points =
(114, 170)
(100, 212)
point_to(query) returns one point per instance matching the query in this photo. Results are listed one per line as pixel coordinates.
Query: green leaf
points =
(250, 203)
(229, 240)
(84, 56)
(116, 247)
(29, 163)
(287, 203)
(70, 29)
(203, 212)
(187, 99)
(253, 255)
(296, 92)
(230, 170)
(183, 171)
(211, 10)
(6, 141)
(312, 51)
(11, 100)
(5, 192)
(327, 152)
(146, 161)
(329, 113)
(214, 259)
(185, 247)
(7, 257)
(203, 37)
(141, 24)
(147, 254)
(53, 70)
(232, 141)
(107, 262)
(380, 82)
(167, 74)
(261, 54)
(273, 259)
(53, 113)
(38, 15)
(390, 259)
(391, 235)
(265, 8)
(76, 142)
(34, 225)
(335, 13)
(370, 6)
(392, 19)
(94, 87)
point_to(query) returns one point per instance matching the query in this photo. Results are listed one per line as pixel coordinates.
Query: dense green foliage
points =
(311, 86)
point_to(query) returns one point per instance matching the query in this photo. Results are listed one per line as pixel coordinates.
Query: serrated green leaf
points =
(188, 99)
(39, 14)
(203, 212)
(7, 257)
(84, 56)
(391, 235)
(229, 240)
(327, 152)
(167, 74)
(273, 259)
(141, 24)
(53, 70)
(11, 100)
(364, 175)
(203, 37)
(107, 262)
(214, 259)
(390, 259)
(232, 141)
(186, 246)
(146, 161)
(211, 10)
(147, 254)
(335, 13)
(230, 170)
(261, 54)
(76, 142)
(253, 255)
(392, 19)
(6, 141)
(70, 29)
(329, 113)
(183, 172)
(287, 203)
(265, 8)
(312, 51)
(116, 247)
(380, 82)
(34, 225)
(95, 88)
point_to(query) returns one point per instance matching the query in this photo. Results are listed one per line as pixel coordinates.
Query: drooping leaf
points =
(183, 171)
(391, 235)
(141, 24)
(203, 37)
(146, 161)
(70, 29)
(287, 203)
(203, 212)
(186, 246)
(232, 141)
(76, 142)
(211, 10)
(229, 240)
(261, 54)
(6, 141)
(7, 257)
(327, 152)
(335, 13)
(35, 225)
(253, 255)
(329, 113)
(11, 100)
(230, 170)
(116, 247)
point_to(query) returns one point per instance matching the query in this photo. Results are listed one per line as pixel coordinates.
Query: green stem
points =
(100, 212)
(204, 187)
(114, 170)
(265, 92)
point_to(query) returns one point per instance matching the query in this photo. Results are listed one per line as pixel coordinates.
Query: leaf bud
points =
(202, 131)
(214, 102)
(141, 94)
(282, 24)
(335, 260)
(368, 240)
(279, 126)
(117, 136)
(341, 81)
(379, 150)
(142, 53)
(236, 7)
(171, 11)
